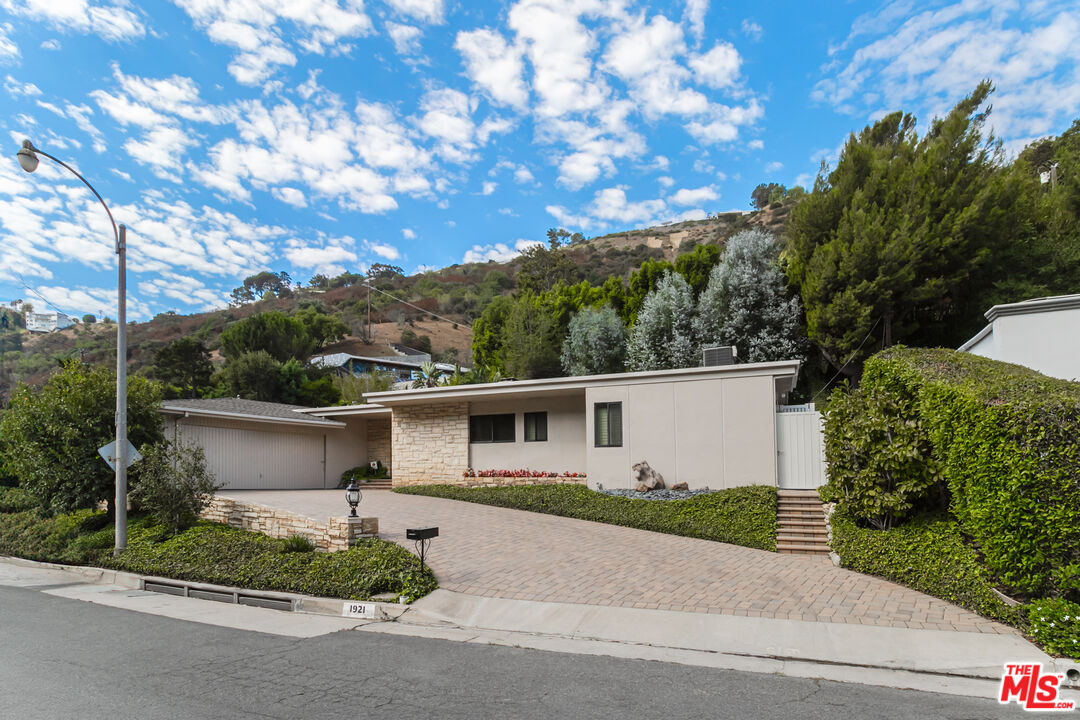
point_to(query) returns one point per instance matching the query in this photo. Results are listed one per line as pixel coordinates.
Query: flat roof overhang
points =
(362, 410)
(785, 373)
(247, 417)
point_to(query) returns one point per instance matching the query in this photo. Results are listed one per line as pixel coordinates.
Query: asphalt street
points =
(62, 658)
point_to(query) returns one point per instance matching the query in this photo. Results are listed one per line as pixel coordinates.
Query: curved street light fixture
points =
(28, 159)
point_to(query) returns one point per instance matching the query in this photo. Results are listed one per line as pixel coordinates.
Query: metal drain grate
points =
(251, 599)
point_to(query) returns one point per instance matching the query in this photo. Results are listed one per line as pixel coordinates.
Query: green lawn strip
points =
(740, 516)
(216, 553)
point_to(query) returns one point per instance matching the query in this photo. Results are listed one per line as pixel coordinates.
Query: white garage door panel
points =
(260, 460)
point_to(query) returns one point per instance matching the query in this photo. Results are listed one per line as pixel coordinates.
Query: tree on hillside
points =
(530, 343)
(184, 367)
(696, 265)
(279, 335)
(761, 196)
(664, 335)
(256, 286)
(319, 281)
(487, 333)
(897, 239)
(49, 436)
(379, 271)
(595, 343)
(560, 236)
(254, 375)
(747, 304)
(89, 319)
(541, 267)
(321, 327)
(642, 282)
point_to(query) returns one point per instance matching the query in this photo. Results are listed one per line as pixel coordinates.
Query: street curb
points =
(132, 581)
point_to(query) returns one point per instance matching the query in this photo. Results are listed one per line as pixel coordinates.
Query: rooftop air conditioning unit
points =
(719, 355)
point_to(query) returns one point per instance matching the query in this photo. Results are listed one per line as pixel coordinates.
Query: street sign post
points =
(109, 454)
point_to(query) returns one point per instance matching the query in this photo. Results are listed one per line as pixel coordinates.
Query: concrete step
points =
(803, 516)
(799, 494)
(809, 502)
(802, 547)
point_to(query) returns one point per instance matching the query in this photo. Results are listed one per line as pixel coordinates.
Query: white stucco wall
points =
(1048, 342)
(564, 450)
(715, 433)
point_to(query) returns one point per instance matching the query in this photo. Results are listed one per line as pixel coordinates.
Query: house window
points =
(536, 427)
(608, 424)
(491, 428)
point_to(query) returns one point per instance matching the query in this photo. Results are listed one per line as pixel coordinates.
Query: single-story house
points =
(713, 427)
(402, 367)
(1042, 334)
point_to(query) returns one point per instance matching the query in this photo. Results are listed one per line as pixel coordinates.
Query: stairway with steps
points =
(802, 523)
(375, 484)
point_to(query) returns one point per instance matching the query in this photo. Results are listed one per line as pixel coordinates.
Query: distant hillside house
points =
(47, 322)
(1042, 334)
(404, 368)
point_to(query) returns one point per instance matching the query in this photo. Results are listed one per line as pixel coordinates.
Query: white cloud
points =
(447, 118)
(494, 65)
(429, 11)
(185, 289)
(665, 180)
(408, 233)
(774, 166)
(718, 68)
(421, 269)
(8, 49)
(290, 196)
(755, 144)
(122, 175)
(321, 256)
(645, 57)
(695, 16)
(16, 89)
(523, 176)
(925, 60)
(257, 30)
(111, 22)
(608, 206)
(695, 196)
(84, 300)
(384, 250)
(488, 187)
(51, 44)
(508, 212)
(499, 252)
(752, 30)
(406, 38)
(162, 148)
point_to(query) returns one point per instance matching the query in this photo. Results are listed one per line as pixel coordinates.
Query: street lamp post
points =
(28, 159)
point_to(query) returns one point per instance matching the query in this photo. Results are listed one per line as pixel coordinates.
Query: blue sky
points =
(322, 135)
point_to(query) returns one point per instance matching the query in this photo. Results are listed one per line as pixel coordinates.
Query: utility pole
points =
(121, 393)
(368, 328)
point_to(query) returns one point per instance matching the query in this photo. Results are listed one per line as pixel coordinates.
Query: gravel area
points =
(656, 494)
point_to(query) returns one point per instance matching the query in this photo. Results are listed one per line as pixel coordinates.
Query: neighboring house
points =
(47, 322)
(713, 427)
(1042, 334)
(403, 367)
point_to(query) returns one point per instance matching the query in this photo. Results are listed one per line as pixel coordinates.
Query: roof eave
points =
(247, 417)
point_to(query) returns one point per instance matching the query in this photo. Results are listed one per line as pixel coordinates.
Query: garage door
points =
(260, 459)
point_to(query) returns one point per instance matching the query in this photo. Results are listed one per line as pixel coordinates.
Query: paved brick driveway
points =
(495, 552)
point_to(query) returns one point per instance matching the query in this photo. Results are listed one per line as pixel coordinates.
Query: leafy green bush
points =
(880, 464)
(13, 500)
(364, 472)
(1005, 439)
(1055, 626)
(927, 554)
(297, 543)
(741, 516)
(173, 485)
(32, 535)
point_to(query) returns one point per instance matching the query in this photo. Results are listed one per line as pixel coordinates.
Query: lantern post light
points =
(28, 159)
(352, 496)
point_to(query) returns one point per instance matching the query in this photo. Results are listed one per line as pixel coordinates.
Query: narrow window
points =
(608, 424)
(536, 427)
(491, 428)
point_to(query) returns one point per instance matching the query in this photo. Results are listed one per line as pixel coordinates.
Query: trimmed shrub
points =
(364, 472)
(174, 485)
(927, 554)
(1055, 626)
(741, 516)
(13, 500)
(1005, 440)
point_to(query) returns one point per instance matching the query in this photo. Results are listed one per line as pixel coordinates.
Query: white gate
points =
(800, 448)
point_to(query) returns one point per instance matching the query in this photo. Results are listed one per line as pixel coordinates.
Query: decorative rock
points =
(642, 487)
(645, 475)
(680, 486)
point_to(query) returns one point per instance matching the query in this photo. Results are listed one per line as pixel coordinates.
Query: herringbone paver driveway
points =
(495, 552)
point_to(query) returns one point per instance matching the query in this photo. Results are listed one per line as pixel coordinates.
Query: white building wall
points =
(1048, 342)
(564, 450)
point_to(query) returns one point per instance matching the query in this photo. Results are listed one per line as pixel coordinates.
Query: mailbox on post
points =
(422, 538)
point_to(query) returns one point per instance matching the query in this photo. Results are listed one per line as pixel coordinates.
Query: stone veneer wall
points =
(431, 444)
(379, 444)
(333, 535)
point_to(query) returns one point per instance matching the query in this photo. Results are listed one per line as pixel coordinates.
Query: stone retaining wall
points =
(331, 536)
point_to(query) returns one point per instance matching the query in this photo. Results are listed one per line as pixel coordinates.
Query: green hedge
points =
(14, 499)
(216, 553)
(1055, 626)
(928, 554)
(741, 516)
(1005, 440)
